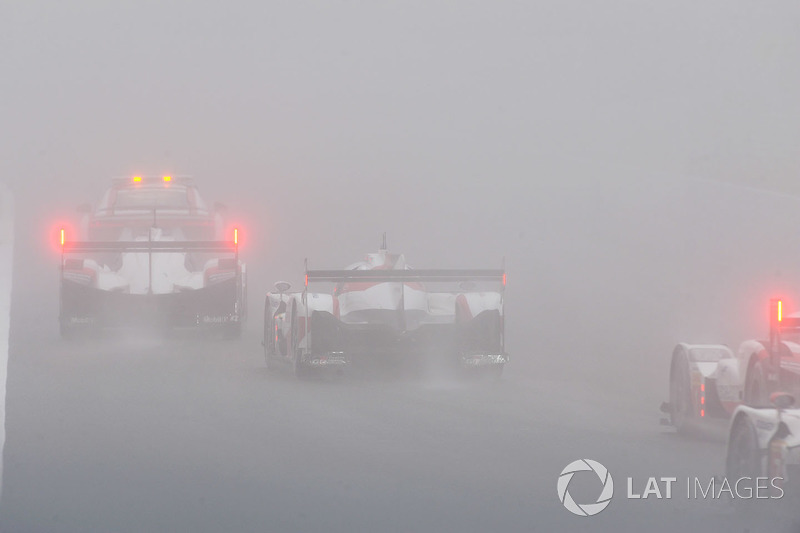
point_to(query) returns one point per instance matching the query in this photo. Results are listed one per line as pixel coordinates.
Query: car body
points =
(381, 308)
(135, 204)
(155, 267)
(710, 381)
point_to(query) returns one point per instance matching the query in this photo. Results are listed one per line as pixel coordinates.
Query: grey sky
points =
(417, 91)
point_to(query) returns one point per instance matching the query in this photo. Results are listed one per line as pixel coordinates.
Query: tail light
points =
(702, 400)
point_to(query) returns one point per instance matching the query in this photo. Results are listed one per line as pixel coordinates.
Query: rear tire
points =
(269, 340)
(743, 458)
(680, 393)
(301, 371)
(755, 390)
(67, 332)
(495, 372)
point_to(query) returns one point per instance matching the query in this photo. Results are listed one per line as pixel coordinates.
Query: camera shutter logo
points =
(586, 509)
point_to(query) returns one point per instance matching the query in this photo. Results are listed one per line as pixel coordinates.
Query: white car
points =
(381, 308)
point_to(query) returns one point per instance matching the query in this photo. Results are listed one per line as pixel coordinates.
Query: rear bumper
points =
(215, 305)
(476, 343)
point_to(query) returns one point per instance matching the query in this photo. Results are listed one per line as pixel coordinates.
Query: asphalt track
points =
(176, 434)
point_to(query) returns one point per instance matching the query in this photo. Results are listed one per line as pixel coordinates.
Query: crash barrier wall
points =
(6, 253)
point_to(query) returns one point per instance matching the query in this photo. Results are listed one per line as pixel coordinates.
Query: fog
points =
(634, 163)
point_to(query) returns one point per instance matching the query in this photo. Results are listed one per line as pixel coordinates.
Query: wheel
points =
(680, 393)
(755, 387)
(73, 332)
(743, 458)
(301, 371)
(232, 330)
(496, 371)
(269, 339)
(243, 296)
(66, 331)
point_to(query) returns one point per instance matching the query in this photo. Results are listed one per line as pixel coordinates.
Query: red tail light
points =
(780, 310)
(702, 400)
(62, 237)
(236, 236)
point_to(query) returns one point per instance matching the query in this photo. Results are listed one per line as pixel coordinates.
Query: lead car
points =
(151, 255)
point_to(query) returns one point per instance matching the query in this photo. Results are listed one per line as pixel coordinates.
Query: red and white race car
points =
(710, 381)
(151, 258)
(755, 389)
(380, 308)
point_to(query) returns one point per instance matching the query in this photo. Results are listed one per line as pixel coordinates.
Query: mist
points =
(633, 164)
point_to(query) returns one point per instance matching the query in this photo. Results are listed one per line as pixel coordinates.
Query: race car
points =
(143, 201)
(709, 382)
(381, 308)
(158, 264)
(765, 443)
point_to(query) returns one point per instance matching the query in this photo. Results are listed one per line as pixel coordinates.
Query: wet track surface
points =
(177, 434)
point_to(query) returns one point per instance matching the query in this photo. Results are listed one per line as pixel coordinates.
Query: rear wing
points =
(429, 275)
(497, 275)
(404, 276)
(149, 246)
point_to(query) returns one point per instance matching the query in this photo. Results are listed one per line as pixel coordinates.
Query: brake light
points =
(62, 237)
(167, 179)
(780, 310)
(236, 236)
